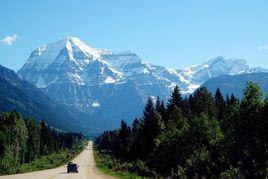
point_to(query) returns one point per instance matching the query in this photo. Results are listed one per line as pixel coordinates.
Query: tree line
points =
(23, 141)
(197, 136)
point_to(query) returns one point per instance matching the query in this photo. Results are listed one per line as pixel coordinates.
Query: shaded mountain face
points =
(109, 86)
(32, 102)
(235, 84)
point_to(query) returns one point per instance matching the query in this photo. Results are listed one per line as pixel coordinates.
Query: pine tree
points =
(249, 125)
(191, 103)
(220, 104)
(227, 100)
(233, 100)
(175, 99)
(158, 105)
(262, 140)
(186, 107)
(168, 144)
(160, 108)
(124, 140)
(149, 132)
(149, 111)
(203, 139)
(44, 140)
(136, 138)
(203, 103)
(33, 141)
(136, 127)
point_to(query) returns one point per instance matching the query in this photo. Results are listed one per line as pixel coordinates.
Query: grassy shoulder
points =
(53, 160)
(113, 167)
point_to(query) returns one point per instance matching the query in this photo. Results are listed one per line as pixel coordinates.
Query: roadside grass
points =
(110, 166)
(52, 161)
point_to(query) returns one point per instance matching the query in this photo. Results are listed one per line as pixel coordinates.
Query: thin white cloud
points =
(263, 47)
(10, 39)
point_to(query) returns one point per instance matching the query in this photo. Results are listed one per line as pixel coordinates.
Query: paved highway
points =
(87, 169)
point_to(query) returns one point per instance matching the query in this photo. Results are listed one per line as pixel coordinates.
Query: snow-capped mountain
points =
(113, 85)
(96, 82)
(214, 67)
(67, 61)
(80, 69)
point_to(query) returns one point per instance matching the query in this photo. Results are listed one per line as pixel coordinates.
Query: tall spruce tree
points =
(233, 100)
(227, 100)
(175, 99)
(174, 108)
(136, 138)
(44, 139)
(33, 141)
(203, 102)
(191, 103)
(219, 104)
(124, 140)
(160, 108)
(158, 105)
(149, 132)
(248, 127)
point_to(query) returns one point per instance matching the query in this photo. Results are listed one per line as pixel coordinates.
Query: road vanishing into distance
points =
(87, 169)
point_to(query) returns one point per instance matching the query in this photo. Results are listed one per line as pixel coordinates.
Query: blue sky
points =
(172, 33)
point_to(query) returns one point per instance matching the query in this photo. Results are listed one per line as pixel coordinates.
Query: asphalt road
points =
(87, 169)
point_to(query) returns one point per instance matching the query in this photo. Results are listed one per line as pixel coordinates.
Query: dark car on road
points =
(72, 167)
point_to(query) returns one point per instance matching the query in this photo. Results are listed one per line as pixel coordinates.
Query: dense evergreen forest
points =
(23, 141)
(201, 135)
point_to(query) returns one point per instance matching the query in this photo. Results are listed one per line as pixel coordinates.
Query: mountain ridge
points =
(87, 79)
(117, 63)
(234, 84)
(30, 101)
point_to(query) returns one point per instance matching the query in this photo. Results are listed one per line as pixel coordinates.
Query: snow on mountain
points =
(68, 61)
(86, 79)
(98, 81)
(214, 67)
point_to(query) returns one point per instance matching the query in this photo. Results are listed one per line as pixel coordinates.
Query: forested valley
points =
(28, 146)
(202, 135)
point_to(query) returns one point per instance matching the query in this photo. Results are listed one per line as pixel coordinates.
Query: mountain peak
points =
(72, 45)
(75, 44)
(216, 66)
(67, 49)
(220, 59)
(71, 38)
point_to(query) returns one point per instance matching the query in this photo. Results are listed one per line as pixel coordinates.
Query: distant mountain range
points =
(108, 86)
(235, 84)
